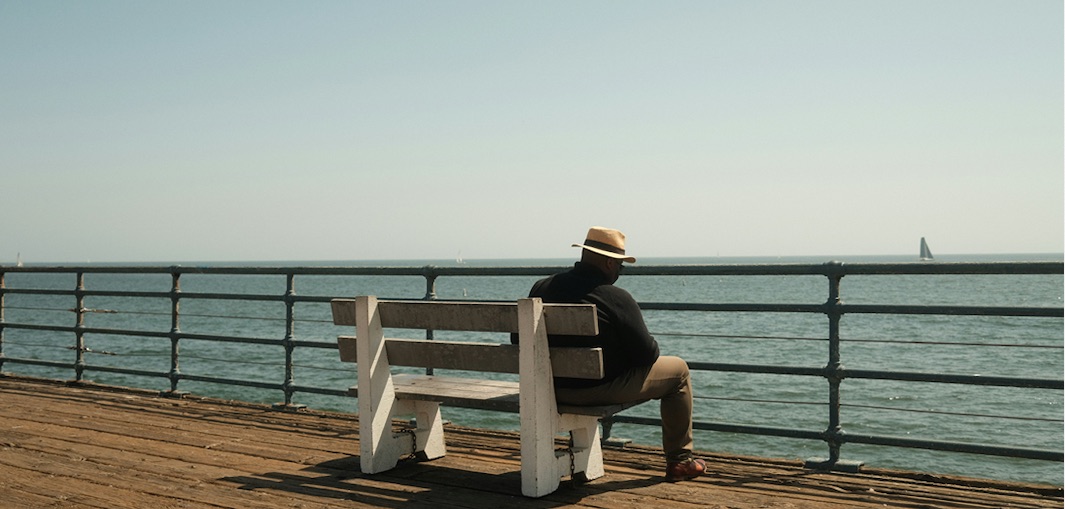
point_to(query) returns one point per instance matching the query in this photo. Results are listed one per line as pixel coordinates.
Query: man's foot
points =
(684, 470)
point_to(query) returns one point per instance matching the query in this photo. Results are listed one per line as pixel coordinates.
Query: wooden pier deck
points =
(89, 446)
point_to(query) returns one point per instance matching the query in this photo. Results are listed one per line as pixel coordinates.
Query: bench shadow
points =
(436, 484)
(414, 482)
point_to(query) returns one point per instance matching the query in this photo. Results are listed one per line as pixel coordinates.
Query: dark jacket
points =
(622, 332)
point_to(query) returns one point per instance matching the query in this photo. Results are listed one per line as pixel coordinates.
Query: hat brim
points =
(607, 253)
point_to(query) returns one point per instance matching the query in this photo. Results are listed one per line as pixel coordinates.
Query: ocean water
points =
(989, 346)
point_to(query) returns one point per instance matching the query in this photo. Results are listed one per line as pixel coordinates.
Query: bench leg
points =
(543, 466)
(540, 466)
(379, 448)
(539, 417)
(585, 444)
(429, 436)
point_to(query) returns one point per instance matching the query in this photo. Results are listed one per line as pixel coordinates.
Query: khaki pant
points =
(666, 380)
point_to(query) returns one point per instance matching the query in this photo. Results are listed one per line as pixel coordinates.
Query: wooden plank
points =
(463, 392)
(73, 445)
(566, 362)
(572, 319)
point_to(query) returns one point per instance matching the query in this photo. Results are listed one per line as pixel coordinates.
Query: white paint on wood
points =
(539, 469)
(377, 446)
(382, 396)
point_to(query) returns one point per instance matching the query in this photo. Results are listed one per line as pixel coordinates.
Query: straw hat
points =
(607, 242)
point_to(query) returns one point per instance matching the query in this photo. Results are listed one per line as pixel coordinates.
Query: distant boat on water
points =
(926, 254)
(18, 260)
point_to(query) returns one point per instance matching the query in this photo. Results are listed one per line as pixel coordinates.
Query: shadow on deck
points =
(91, 446)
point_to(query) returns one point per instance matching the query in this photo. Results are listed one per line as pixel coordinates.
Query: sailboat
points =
(926, 254)
(18, 260)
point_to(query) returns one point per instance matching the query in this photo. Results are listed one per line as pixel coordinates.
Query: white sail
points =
(926, 254)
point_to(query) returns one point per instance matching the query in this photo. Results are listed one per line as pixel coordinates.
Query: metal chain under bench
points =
(384, 396)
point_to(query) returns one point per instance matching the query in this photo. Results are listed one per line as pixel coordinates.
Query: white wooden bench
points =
(384, 396)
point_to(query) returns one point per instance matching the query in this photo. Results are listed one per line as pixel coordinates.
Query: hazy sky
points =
(259, 131)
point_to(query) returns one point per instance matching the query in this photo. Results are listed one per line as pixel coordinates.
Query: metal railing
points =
(833, 308)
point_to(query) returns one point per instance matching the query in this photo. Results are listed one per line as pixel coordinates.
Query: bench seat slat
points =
(498, 395)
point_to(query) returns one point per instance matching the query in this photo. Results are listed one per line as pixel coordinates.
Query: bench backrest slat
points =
(487, 357)
(572, 319)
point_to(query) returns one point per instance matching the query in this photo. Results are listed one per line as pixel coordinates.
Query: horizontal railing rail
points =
(833, 308)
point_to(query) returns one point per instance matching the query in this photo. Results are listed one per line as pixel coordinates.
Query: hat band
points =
(604, 246)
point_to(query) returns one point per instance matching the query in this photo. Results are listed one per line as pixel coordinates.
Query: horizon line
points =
(467, 261)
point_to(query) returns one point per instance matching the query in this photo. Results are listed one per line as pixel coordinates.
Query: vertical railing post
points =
(430, 282)
(79, 327)
(833, 435)
(289, 386)
(175, 332)
(430, 294)
(832, 369)
(3, 290)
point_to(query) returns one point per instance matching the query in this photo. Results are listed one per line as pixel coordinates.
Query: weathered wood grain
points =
(97, 447)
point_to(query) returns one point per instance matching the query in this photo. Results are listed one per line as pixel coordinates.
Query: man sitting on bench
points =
(634, 369)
